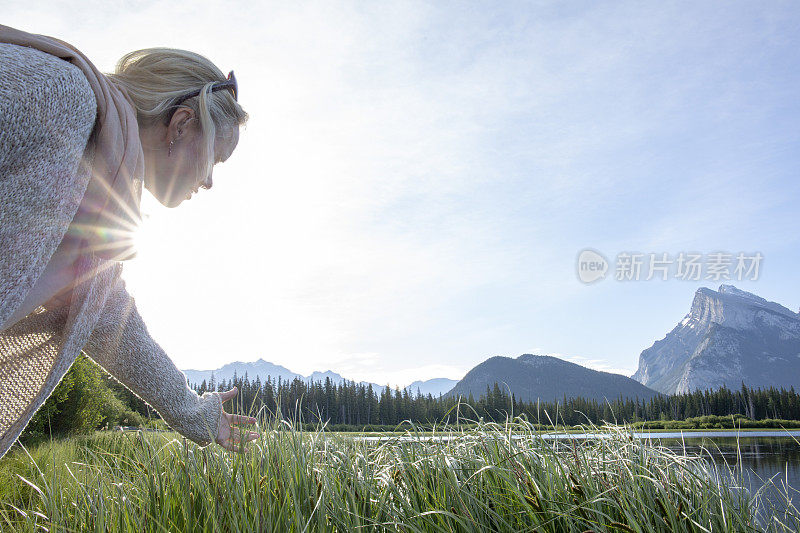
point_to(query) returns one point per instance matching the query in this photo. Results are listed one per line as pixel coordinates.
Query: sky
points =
(417, 180)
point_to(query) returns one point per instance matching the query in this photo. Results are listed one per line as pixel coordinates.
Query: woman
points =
(76, 147)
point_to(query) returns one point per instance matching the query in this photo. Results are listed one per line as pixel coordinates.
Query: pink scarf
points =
(109, 211)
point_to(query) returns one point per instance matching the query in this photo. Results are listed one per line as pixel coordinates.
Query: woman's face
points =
(173, 174)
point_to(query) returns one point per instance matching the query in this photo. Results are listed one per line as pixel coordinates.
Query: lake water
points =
(760, 457)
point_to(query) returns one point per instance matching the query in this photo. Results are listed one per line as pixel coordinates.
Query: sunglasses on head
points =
(230, 84)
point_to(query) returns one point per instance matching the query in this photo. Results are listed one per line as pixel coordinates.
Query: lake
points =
(761, 457)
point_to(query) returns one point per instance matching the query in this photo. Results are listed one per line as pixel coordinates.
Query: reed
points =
(483, 477)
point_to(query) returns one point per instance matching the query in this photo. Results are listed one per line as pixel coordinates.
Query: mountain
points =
(728, 337)
(265, 369)
(531, 377)
(328, 374)
(434, 387)
(255, 368)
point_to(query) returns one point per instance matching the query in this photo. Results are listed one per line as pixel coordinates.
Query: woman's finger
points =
(236, 434)
(227, 395)
(231, 444)
(242, 419)
(246, 436)
(235, 442)
(233, 447)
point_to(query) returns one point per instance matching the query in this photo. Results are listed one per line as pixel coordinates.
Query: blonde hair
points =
(155, 78)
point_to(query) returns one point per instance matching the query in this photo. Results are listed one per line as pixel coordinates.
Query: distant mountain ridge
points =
(260, 368)
(729, 336)
(265, 369)
(435, 387)
(530, 377)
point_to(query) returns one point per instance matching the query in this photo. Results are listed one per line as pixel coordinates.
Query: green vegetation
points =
(355, 405)
(490, 477)
(717, 422)
(698, 423)
(86, 399)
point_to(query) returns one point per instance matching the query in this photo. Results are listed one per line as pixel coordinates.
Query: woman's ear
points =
(179, 122)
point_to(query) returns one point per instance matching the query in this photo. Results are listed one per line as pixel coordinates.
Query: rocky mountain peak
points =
(734, 308)
(728, 336)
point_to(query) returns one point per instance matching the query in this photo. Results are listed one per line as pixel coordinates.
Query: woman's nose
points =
(207, 183)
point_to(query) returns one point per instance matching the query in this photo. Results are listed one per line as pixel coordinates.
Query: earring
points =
(180, 132)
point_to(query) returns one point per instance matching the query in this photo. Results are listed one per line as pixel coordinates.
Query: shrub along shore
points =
(699, 423)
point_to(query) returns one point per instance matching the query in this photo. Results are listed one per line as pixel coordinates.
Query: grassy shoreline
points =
(293, 480)
(732, 424)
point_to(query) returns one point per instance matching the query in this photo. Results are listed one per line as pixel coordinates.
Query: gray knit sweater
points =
(47, 113)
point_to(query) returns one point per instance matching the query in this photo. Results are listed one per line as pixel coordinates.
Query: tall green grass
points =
(489, 477)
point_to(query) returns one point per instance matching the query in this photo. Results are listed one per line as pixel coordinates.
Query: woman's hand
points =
(230, 437)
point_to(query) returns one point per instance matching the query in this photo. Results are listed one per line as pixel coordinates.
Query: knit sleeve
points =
(47, 113)
(121, 344)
